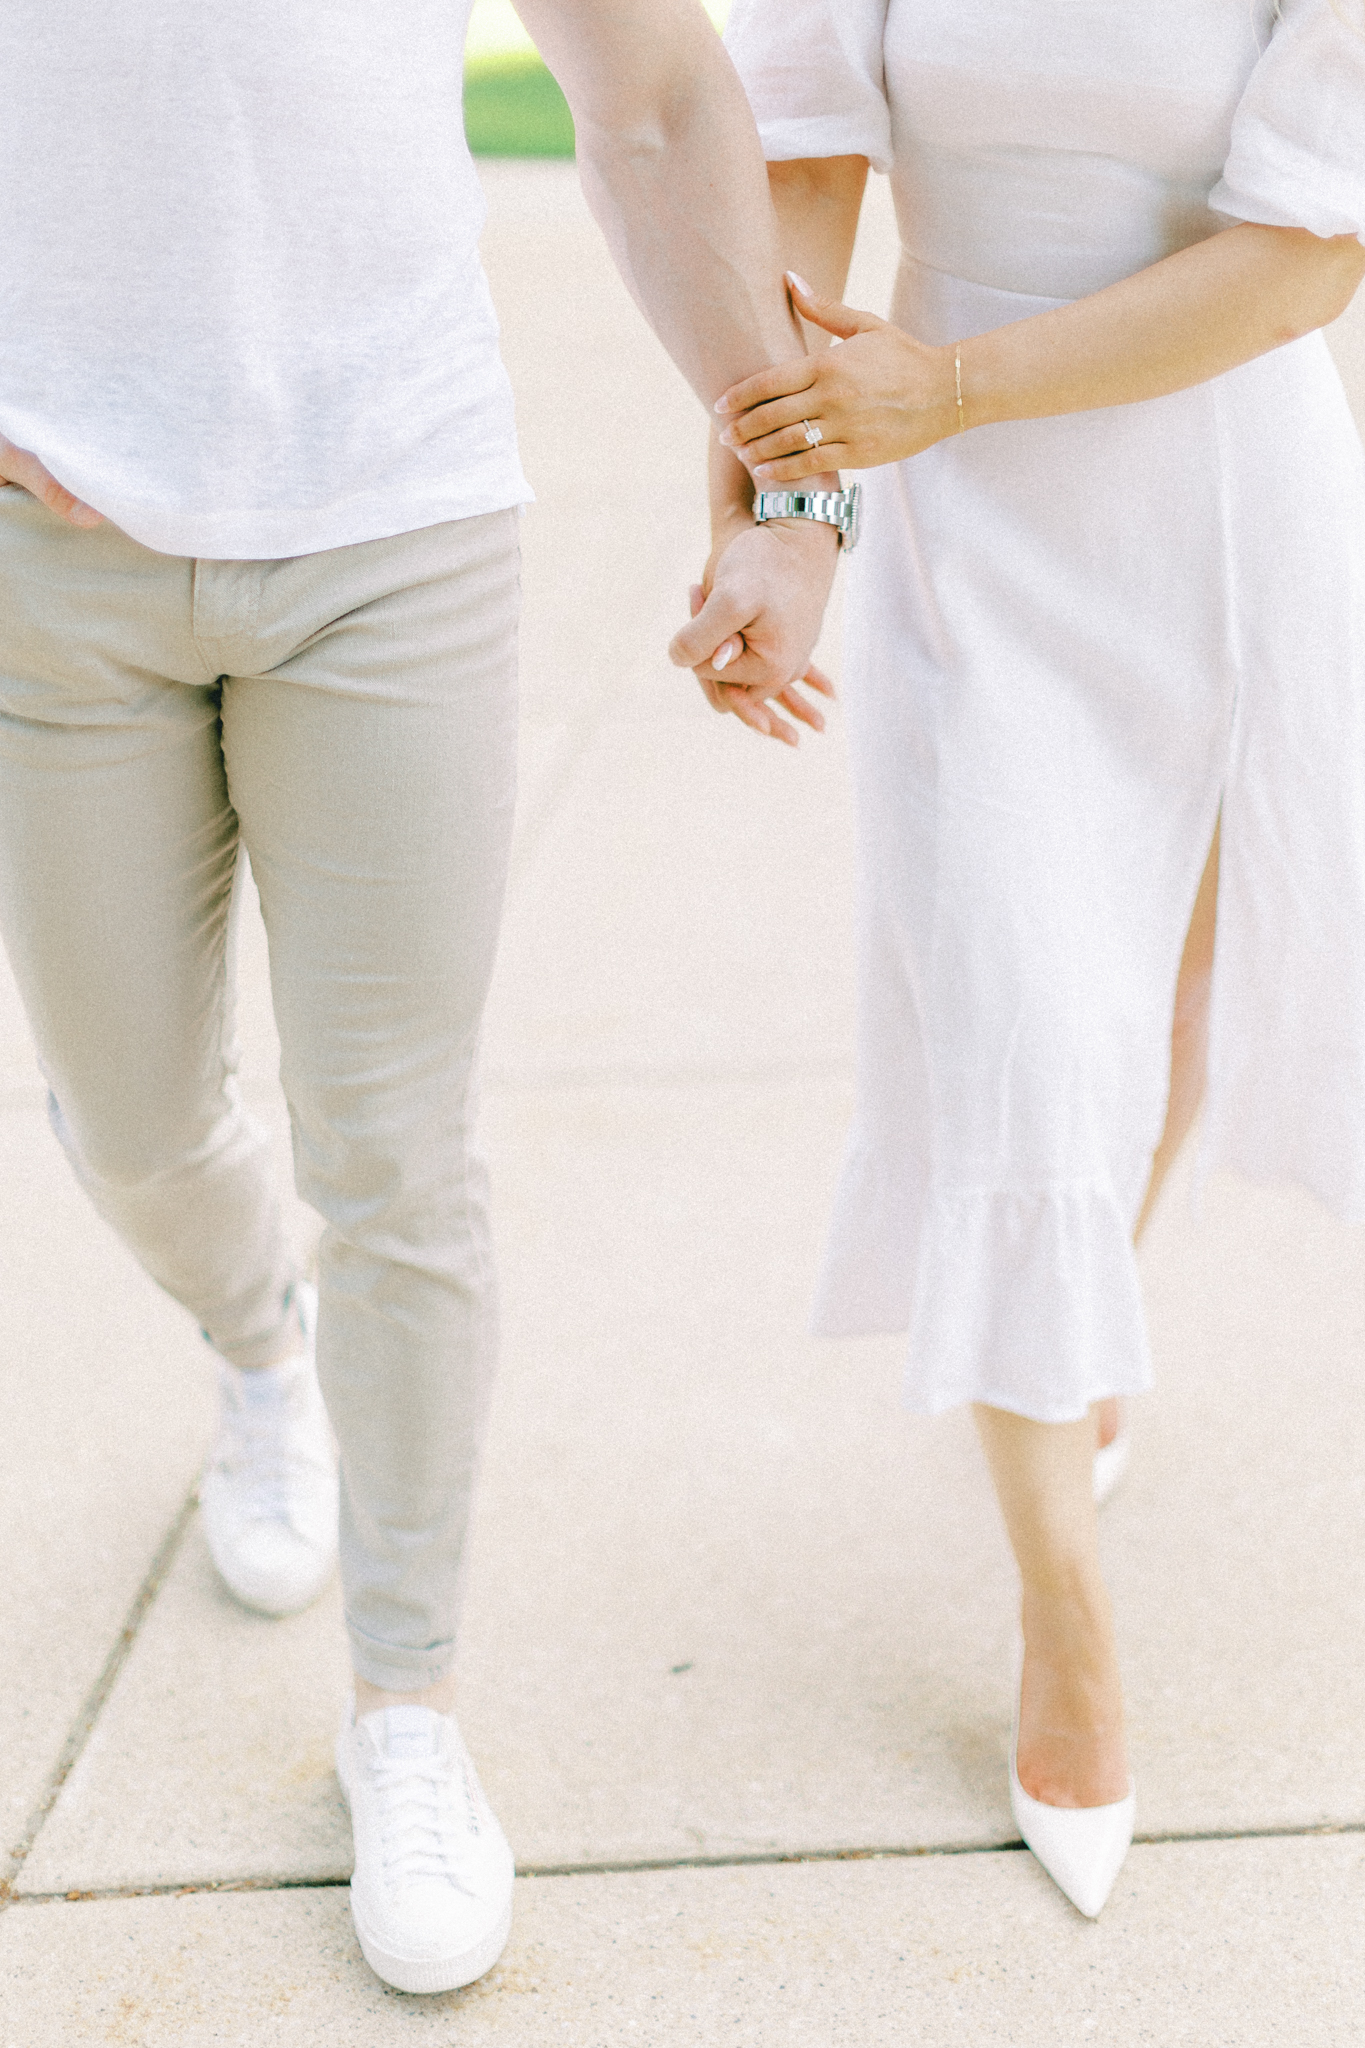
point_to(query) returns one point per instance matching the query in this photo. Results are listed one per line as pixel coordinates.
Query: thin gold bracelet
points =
(957, 371)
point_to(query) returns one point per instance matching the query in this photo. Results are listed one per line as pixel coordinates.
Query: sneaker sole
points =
(268, 1600)
(433, 1973)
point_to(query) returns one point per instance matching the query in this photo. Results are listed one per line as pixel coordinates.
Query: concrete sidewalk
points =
(736, 1667)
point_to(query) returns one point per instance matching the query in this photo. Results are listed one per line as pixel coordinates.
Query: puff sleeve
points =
(1298, 138)
(813, 73)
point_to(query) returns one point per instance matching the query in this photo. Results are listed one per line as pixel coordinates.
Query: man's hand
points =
(17, 466)
(756, 617)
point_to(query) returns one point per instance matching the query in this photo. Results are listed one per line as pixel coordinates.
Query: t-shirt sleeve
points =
(1298, 138)
(813, 73)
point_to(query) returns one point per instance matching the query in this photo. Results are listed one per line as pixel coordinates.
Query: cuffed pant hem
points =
(394, 1669)
(264, 1349)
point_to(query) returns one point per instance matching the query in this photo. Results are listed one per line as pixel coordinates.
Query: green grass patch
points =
(512, 107)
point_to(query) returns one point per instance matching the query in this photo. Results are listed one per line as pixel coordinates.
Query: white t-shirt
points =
(242, 311)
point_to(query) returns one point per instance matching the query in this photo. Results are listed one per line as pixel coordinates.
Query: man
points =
(258, 588)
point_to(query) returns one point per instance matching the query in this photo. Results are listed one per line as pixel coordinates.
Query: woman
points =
(1109, 593)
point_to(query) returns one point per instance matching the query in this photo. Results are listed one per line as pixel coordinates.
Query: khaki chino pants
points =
(350, 719)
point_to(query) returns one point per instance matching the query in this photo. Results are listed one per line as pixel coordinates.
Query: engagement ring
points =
(813, 435)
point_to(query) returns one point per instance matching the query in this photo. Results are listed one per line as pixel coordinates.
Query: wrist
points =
(812, 503)
(735, 512)
(728, 520)
(816, 534)
(985, 398)
(953, 391)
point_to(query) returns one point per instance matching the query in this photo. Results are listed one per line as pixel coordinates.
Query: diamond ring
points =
(813, 435)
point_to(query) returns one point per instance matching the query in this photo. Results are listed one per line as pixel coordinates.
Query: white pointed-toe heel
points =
(1080, 1847)
(1111, 1462)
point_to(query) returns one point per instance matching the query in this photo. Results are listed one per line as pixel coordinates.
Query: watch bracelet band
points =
(831, 508)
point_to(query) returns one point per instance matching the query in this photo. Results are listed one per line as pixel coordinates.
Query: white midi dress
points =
(1073, 641)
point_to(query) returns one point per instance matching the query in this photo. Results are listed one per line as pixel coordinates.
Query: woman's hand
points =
(879, 397)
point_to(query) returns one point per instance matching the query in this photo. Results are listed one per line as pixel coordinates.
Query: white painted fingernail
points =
(723, 656)
(795, 278)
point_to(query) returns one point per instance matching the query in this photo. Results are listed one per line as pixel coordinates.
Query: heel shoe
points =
(1111, 1462)
(1080, 1847)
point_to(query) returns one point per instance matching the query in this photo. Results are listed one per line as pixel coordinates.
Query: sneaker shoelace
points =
(427, 1818)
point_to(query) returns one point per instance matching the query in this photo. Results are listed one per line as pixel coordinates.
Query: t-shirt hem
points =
(275, 536)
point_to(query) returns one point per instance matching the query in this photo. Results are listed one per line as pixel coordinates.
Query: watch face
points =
(855, 515)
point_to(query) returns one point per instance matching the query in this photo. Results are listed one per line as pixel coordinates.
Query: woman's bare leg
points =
(1071, 1748)
(1189, 1035)
(1108, 1417)
(1189, 1070)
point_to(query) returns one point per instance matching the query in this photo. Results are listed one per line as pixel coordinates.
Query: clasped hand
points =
(879, 397)
(755, 619)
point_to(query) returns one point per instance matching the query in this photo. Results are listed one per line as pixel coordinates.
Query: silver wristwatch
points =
(839, 509)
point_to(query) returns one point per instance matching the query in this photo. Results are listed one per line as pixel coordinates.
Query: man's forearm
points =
(817, 204)
(671, 166)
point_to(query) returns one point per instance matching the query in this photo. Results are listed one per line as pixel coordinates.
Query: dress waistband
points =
(937, 307)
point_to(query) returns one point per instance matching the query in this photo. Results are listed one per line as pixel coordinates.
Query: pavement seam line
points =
(760, 1859)
(91, 1707)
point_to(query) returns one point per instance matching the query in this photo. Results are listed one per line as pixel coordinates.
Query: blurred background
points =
(512, 105)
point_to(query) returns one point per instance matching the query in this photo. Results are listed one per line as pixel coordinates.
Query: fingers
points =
(760, 717)
(728, 651)
(760, 714)
(782, 381)
(757, 712)
(716, 625)
(787, 379)
(712, 691)
(844, 321)
(18, 466)
(792, 445)
(754, 448)
(753, 633)
(793, 469)
(782, 414)
(801, 707)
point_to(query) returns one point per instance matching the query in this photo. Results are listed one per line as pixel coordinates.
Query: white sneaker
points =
(269, 1490)
(431, 1896)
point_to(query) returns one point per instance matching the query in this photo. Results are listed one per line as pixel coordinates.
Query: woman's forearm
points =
(884, 396)
(817, 202)
(1190, 317)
